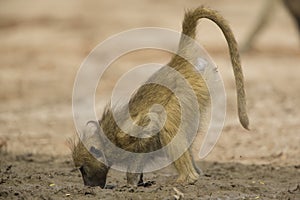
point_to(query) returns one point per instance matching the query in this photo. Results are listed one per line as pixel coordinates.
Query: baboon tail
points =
(189, 29)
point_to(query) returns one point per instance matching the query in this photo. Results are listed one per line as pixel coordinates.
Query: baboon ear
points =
(96, 152)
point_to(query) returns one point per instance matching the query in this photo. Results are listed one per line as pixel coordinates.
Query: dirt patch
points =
(30, 176)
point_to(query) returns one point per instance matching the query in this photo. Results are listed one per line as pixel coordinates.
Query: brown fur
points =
(150, 94)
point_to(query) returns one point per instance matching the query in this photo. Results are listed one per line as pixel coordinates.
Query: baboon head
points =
(87, 158)
(93, 172)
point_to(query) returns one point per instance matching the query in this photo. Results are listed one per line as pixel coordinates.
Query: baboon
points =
(86, 151)
(293, 7)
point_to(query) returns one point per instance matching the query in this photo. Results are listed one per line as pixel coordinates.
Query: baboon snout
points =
(94, 178)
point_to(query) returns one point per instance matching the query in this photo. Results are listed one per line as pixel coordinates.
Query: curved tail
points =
(189, 29)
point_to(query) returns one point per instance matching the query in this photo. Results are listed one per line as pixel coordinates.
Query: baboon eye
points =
(96, 152)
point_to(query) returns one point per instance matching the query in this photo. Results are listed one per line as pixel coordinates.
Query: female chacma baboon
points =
(94, 172)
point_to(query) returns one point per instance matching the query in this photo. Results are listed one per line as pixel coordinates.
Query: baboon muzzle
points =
(96, 179)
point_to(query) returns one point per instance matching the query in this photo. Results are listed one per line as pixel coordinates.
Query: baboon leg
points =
(141, 181)
(293, 7)
(261, 22)
(133, 178)
(134, 173)
(186, 169)
(188, 172)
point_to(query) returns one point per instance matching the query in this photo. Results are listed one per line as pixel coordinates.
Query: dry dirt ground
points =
(42, 44)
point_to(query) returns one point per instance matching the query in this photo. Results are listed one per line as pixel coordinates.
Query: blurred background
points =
(42, 44)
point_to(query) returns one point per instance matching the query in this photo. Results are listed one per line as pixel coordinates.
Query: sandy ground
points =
(42, 44)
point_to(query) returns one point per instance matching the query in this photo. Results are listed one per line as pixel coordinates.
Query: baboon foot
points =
(188, 178)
